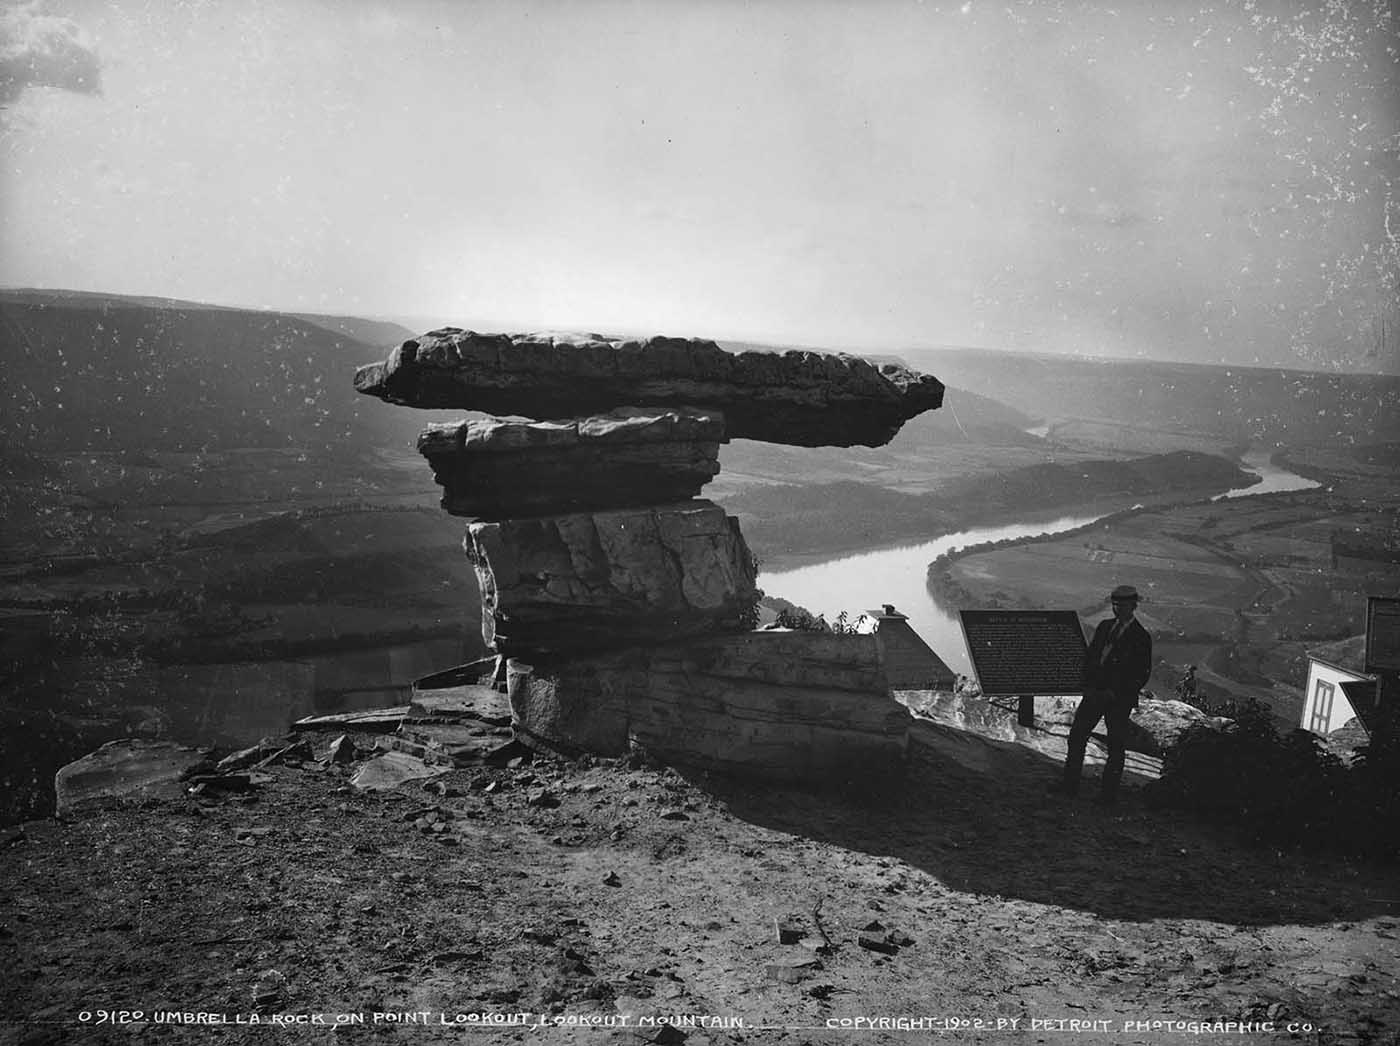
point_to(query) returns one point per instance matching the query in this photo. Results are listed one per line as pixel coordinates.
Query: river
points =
(898, 575)
(1272, 479)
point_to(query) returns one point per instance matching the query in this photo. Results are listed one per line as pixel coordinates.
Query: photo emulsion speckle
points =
(701, 522)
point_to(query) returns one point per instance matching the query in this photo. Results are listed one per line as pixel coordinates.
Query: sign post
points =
(1383, 653)
(1021, 653)
(1382, 634)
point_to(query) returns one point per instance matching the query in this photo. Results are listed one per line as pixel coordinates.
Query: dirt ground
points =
(610, 904)
(597, 902)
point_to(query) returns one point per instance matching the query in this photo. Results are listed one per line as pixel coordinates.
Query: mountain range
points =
(1216, 403)
(100, 372)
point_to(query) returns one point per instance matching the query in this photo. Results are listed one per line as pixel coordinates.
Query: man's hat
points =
(1124, 592)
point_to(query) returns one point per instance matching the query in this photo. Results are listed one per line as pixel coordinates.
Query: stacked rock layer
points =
(809, 399)
(792, 706)
(621, 602)
(497, 469)
(570, 584)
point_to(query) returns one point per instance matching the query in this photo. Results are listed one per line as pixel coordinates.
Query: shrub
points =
(1287, 791)
(801, 620)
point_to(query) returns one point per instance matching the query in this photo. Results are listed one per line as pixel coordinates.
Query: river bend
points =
(898, 575)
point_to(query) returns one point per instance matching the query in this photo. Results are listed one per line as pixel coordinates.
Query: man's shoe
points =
(1063, 789)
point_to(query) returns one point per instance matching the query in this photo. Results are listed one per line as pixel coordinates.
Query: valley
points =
(207, 532)
(219, 622)
(1243, 588)
(504, 510)
(794, 524)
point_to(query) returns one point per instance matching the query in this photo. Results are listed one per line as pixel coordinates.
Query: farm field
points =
(1186, 588)
(1129, 437)
(1243, 588)
(907, 464)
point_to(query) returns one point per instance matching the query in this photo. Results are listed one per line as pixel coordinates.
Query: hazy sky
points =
(1204, 181)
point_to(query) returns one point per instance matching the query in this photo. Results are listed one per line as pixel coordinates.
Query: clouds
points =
(43, 50)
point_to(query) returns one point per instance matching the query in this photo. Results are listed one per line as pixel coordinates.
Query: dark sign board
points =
(1382, 634)
(1017, 652)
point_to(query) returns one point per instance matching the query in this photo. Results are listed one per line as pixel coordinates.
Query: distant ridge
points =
(1094, 358)
(88, 371)
(45, 296)
(380, 333)
(371, 331)
(1235, 404)
(85, 369)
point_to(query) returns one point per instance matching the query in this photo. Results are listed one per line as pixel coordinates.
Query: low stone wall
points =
(784, 706)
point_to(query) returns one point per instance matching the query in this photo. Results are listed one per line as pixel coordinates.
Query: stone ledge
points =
(784, 706)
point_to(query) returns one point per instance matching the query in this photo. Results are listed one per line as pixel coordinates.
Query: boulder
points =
(1154, 729)
(248, 756)
(1157, 726)
(496, 469)
(596, 580)
(475, 702)
(573, 706)
(388, 771)
(127, 769)
(448, 744)
(343, 751)
(804, 398)
(785, 706)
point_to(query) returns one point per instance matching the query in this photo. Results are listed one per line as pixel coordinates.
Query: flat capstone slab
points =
(798, 397)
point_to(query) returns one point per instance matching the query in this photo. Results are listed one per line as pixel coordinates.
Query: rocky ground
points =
(608, 902)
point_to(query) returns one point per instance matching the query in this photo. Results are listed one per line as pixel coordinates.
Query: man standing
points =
(1116, 667)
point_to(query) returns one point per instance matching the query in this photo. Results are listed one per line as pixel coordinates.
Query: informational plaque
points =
(1018, 652)
(1383, 634)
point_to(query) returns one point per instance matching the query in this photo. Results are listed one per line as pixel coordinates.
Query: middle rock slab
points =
(598, 580)
(498, 469)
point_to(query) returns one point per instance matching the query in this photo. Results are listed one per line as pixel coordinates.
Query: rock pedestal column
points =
(622, 602)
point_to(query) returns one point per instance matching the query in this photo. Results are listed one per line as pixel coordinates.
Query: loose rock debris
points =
(448, 895)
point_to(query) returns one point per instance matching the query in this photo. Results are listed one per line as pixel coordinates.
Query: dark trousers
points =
(1115, 711)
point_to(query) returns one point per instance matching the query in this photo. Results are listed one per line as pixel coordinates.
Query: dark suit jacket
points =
(1129, 662)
